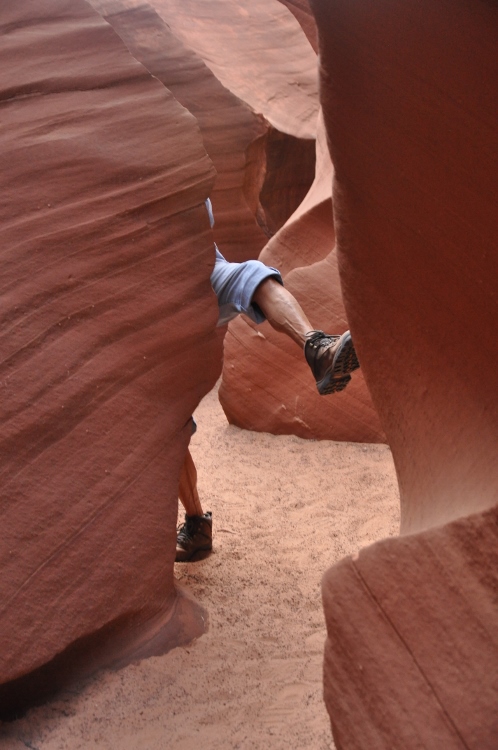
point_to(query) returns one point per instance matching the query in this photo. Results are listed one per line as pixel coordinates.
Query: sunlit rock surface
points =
(106, 342)
(248, 74)
(302, 11)
(230, 129)
(409, 96)
(257, 49)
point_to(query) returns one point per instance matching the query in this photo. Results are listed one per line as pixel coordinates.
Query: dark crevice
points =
(288, 175)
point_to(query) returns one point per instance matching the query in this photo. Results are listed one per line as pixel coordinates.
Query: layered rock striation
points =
(230, 129)
(257, 112)
(409, 98)
(107, 344)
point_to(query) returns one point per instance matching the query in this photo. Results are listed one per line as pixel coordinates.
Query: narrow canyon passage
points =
(284, 510)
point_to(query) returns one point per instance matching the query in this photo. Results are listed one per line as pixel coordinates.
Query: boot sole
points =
(345, 362)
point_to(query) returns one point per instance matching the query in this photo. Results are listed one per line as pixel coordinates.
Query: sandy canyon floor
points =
(284, 510)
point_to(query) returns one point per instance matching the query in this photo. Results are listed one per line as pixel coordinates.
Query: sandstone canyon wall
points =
(230, 128)
(409, 97)
(105, 239)
(248, 74)
(106, 259)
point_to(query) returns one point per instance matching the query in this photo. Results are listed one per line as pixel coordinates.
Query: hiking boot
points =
(332, 359)
(193, 536)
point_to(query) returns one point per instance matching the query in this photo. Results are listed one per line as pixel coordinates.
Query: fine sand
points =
(284, 510)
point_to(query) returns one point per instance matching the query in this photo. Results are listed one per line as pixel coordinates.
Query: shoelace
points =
(318, 339)
(185, 530)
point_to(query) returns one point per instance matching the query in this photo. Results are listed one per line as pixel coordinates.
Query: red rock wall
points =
(257, 50)
(230, 129)
(409, 96)
(257, 113)
(107, 339)
(411, 655)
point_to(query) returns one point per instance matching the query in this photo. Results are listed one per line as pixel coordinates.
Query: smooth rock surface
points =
(409, 97)
(257, 110)
(231, 131)
(302, 11)
(107, 340)
(258, 50)
(416, 224)
(412, 650)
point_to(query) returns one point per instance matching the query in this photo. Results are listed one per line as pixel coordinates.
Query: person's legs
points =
(257, 290)
(282, 310)
(195, 534)
(331, 358)
(187, 489)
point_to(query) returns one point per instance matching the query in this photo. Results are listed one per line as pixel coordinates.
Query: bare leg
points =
(188, 488)
(282, 310)
(331, 358)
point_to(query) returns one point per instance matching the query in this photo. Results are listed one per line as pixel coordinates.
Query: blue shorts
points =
(235, 284)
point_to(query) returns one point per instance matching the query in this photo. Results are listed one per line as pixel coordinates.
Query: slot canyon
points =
(351, 597)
